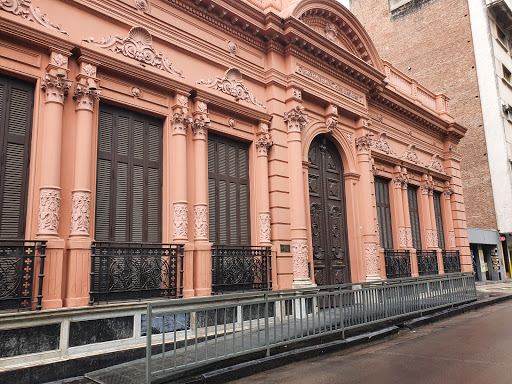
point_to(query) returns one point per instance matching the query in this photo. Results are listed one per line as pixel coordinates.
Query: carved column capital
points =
(85, 96)
(199, 128)
(264, 141)
(55, 88)
(427, 185)
(179, 122)
(448, 192)
(364, 143)
(296, 119)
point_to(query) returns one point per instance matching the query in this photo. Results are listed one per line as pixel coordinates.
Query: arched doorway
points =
(328, 213)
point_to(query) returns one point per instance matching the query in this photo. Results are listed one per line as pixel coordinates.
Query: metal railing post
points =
(41, 276)
(267, 330)
(149, 331)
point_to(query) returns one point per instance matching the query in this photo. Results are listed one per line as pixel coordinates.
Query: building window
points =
(128, 188)
(384, 213)
(502, 37)
(507, 76)
(16, 103)
(414, 215)
(439, 220)
(228, 191)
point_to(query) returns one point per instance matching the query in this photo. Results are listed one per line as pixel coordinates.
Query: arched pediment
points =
(337, 24)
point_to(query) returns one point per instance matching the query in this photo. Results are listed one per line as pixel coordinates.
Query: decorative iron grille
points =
(427, 262)
(451, 261)
(128, 271)
(398, 263)
(241, 268)
(19, 261)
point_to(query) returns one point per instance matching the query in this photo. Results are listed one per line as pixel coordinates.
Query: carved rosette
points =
(264, 227)
(231, 84)
(402, 237)
(180, 225)
(331, 124)
(141, 5)
(296, 119)
(432, 238)
(80, 213)
(55, 88)
(364, 143)
(372, 258)
(408, 235)
(451, 238)
(26, 10)
(300, 259)
(199, 128)
(85, 97)
(201, 222)
(138, 45)
(179, 124)
(49, 211)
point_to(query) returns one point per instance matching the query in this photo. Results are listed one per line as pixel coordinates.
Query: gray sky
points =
(345, 3)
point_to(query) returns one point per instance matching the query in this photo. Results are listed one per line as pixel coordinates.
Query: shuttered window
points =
(16, 103)
(228, 191)
(414, 215)
(128, 188)
(439, 219)
(384, 213)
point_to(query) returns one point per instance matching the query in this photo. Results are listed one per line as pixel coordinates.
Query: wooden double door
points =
(328, 213)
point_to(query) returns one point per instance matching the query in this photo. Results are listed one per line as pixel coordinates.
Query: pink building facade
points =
(224, 126)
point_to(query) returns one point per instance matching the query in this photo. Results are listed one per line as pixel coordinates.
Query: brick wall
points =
(434, 40)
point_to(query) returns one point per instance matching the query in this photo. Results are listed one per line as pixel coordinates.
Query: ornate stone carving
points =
(410, 155)
(381, 144)
(85, 96)
(55, 88)
(179, 124)
(200, 222)
(296, 119)
(49, 211)
(297, 93)
(264, 141)
(448, 193)
(402, 237)
(60, 60)
(141, 5)
(26, 10)
(435, 164)
(331, 32)
(232, 47)
(180, 225)
(375, 170)
(432, 238)
(264, 227)
(136, 92)
(348, 136)
(138, 46)
(231, 122)
(80, 212)
(183, 100)
(202, 107)
(451, 238)
(427, 187)
(408, 234)
(331, 124)
(300, 258)
(231, 84)
(402, 179)
(200, 127)
(89, 70)
(364, 143)
(372, 258)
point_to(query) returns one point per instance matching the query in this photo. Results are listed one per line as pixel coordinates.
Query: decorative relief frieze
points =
(381, 144)
(201, 222)
(331, 123)
(26, 10)
(264, 227)
(402, 237)
(80, 213)
(451, 238)
(296, 119)
(435, 164)
(300, 258)
(371, 257)
(85, 97)
(55, 88)
(49, 211)
(231, 84)
(180, 224)
(138, 46)
(432, 238)
(329, 83)
(410, 155)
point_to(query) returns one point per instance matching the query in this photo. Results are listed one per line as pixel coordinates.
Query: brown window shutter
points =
(414, 215)
(384, 213)
(16, 103)
(439, 220)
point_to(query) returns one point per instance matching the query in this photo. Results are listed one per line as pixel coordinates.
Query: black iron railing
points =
(427, 262)
(398, 263)
(135, 271)
(451, 261)
(21, 287)
(241, 268)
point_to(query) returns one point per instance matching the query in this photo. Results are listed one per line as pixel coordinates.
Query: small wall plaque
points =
(285, 248)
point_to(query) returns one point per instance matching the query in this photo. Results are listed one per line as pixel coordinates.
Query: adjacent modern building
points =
(183, 148)
(465, 53)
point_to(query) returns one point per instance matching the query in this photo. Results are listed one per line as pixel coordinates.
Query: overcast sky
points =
(345, 3)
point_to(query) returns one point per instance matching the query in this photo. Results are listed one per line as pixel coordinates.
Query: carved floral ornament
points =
(49, 210)
(85, 96)
(331, 124)
(331, 31)
(402, 179)
(231, 84)
(26, 10)
(300, 258)
(296, 119)
(381, 144)
(55, 88)
(80, 212)
(264, 141)
(435, 164)
(411, 155)
(265, 227)
(141, 5)
(138, 46)
(180, 123)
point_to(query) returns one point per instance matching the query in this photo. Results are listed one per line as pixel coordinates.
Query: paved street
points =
(472, 348)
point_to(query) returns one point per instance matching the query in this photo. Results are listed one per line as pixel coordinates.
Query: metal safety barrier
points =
(198, 331)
